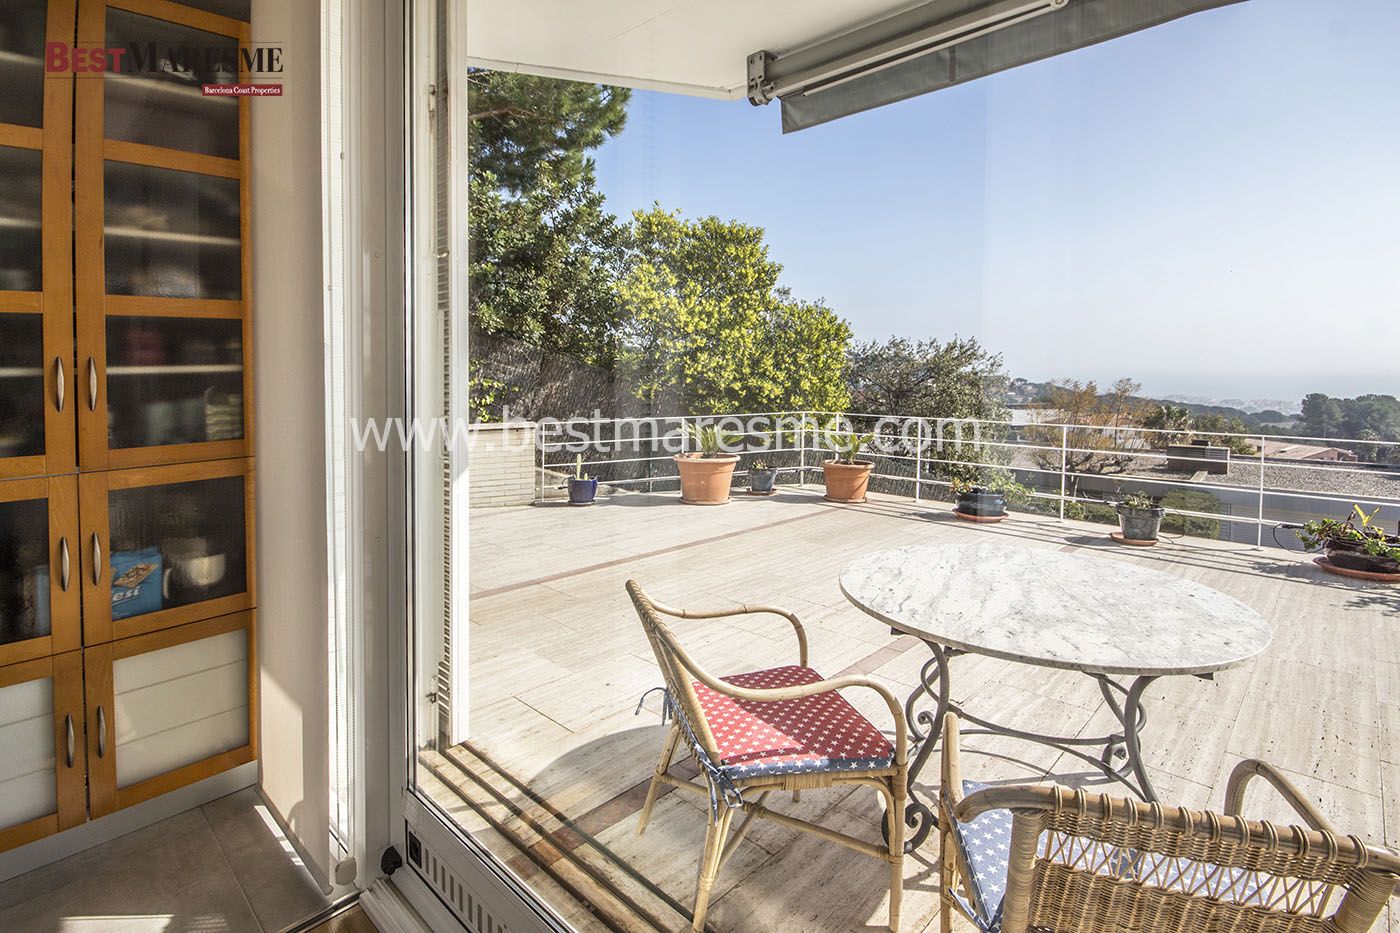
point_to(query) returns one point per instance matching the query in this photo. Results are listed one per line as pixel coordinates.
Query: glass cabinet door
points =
(166, 545)
(174, 381)
(36, 329)
(39, 587)
(169, 708)
(23, 32)
(43, 769)
(21, 216)
(165, 106)
(162, 252)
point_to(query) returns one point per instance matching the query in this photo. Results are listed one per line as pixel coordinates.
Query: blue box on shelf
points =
(136, 582)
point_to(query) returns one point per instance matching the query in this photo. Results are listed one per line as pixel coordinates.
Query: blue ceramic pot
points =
(582, 491)
(762, 480)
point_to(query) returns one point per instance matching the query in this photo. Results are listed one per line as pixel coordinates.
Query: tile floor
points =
(219, 868)
(557, 763)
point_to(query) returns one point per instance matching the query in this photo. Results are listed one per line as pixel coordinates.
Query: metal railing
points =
(1063, 465)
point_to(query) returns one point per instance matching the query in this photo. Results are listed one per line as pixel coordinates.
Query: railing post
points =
(1064, 462)
(1259, 528)
(802, 451)
(539, 470)
(651, 454)
(919, 462)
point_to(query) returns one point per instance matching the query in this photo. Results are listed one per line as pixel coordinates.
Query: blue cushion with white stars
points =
(985, 842)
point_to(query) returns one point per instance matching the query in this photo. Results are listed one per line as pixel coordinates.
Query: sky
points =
(1211, 207)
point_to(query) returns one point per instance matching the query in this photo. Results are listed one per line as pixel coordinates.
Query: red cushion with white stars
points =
(757, 738)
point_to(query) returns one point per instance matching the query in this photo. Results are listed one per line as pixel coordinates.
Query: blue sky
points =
(1211, 207)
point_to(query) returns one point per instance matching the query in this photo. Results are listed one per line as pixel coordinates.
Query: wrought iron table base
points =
(926, 729)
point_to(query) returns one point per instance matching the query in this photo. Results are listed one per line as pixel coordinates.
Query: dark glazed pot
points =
(582, 491)
(1140, 524)
(982, 504)
(762, 480)
(1350, 556)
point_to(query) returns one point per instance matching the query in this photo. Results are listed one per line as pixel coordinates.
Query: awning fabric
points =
(1078, 24)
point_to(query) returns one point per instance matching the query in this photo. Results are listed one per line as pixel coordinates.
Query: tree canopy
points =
(1324, 416)
(707, 328)
(1092, 444)
(543, 264)
(518, 122)
(927, 378)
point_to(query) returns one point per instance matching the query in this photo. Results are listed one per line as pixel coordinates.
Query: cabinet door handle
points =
(58, 392)
(101, 733)
(96, 559)
(63, 563)
(92, 384)
(72, 739)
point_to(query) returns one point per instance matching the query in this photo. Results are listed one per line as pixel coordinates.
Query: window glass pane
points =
(173, 381)
(157, 99)
(171, 234)
(23, 25)
(24, 570)
(176, 544)
(21, 200)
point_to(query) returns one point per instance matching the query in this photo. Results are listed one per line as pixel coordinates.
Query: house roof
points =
(1291, 450)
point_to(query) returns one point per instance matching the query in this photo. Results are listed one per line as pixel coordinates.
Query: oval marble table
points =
(1105, 618)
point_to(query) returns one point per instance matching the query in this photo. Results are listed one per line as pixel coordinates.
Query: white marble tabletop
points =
(1055, 609)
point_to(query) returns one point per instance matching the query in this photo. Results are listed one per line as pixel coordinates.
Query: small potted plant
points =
(1139, 519)
(847, 478)
(707, 473)
(979, 503)
(761, 478)
(1355, 551)
(582, 487)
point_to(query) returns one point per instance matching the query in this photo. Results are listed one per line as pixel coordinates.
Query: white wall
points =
(290, 435)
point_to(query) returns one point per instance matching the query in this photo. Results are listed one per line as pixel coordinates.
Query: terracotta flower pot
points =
(705, 480)
(846, 482)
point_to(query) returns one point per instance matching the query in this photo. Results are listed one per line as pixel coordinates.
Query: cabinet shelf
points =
(169, 236)
(173, 92)
(176, 369)
(20, 372)
(18, 223)
(12, 62)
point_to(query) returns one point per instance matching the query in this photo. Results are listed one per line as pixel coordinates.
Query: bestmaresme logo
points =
(216, 70)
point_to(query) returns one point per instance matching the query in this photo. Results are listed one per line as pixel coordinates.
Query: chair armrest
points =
(1248, 769)
(901, 743)
(742, 610)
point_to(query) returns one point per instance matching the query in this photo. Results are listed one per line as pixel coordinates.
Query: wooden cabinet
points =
(39, 572)
(36, 243)
(160, 226)
(127, 630)
(165, 545)
(43, 770)
(169, 708)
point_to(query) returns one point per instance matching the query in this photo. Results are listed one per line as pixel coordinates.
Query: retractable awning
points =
(937, 45)
(823, 58)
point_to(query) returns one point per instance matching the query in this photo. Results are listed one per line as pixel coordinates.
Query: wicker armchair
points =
(783, 729)
(1050, 858)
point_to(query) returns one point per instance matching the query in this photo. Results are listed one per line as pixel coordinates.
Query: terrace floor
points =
(557, 766)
